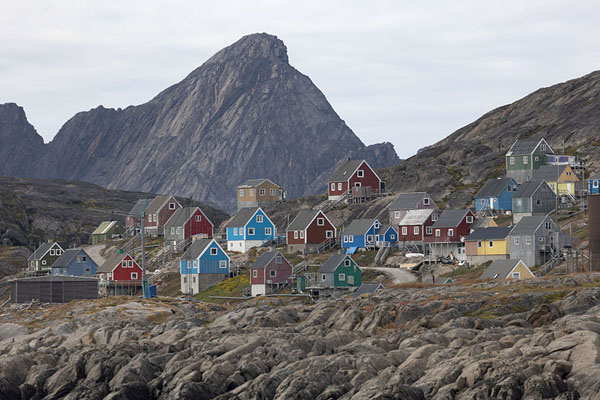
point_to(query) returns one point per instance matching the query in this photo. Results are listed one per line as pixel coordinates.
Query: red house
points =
(133, 217)
(416, 226)
(269, 272)
(450, 232)
(355, 178)
(308, 230)
(158, 213)
(185, 223)
(120, 274)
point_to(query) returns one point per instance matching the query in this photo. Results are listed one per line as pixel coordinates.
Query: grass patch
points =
(503, 220)
(229, 287)
(555, 296)
(365, 258)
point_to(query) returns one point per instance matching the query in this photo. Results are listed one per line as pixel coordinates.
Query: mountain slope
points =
(245, 113)
(19, 142)
(566, 114)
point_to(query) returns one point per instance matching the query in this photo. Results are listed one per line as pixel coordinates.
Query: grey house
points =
(535, 240)
(41, 260)
(409, 201)
(533, 198)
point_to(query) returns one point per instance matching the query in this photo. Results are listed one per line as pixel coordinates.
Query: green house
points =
(41, 260)
(106, 231)
(340, 270)
(524, 156)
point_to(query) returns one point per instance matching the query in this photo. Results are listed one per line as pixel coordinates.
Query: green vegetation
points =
(555, 296)
(503, 220)
(229, 287)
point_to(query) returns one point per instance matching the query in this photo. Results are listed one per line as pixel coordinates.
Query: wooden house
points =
(533, 198)
(507, 269)
(248, 228)
(107, 230)
(158, 213)
(339, 271)
(308, 231)
(354, 179)
(368, 288)
(132, 220)
(258, 193)
(360, 234)
(74, 262)
(120, 274)
(386, 236)
(594, 183)
(203, 265)
(416, 226)
(40, 261)
(561, 178)
(449, 233)
(525, 156)
(185, 223)
(536, 239)
(488, 244)
(270, 272)
(496, 195)
(406, 202)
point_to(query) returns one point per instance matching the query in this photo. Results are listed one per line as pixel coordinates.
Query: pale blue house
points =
(204, 264)
(248, 228)
(74, 262)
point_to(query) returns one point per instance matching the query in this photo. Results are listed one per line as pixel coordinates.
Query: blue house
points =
(204, 264)
(248, 228)
(496, 195)
(386, 234)
(360, 234)
(74, 262)
(594, 184)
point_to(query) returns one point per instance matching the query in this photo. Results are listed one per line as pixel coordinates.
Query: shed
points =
(507, 269)
(53, 289)
(106, 230)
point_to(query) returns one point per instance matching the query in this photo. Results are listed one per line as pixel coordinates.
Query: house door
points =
(351, 279)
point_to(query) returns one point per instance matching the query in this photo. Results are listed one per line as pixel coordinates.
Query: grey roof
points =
(595, 177)
(493, 187)
(359, 226)
(416, 217)
(138, 207)
(302, 220)
(492, 233)
(55, 278)
(180, 217)
(528, 189)
(345, 171)
(367, 288)
(332, 263)
(499, 267)
(252, 182)
(450, 218)
(111, 262)
(196, 249)
(242, 217)
(549, 173)
(40, 251)
(408, 201)
(264, 259)
(528, 225)
(66, 258)
(524, 147)
(482, 223)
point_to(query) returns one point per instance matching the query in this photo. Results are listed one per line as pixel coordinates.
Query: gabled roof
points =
(368, 288)
(494, 187)
(265, 258)
(250, 183)
(111, 262)
(384, 228)
(242, 217)
(196, 249)
(104, 227)
(408, 201)
(41, 251)
(65, 258)
(485, 222)
(138, 207)
(332, 263)
(493, 233)
(182, 215)
(345, 171)
(526, 146)
(302, 220)
(528, 225)
(450, 218)
(528, 189)
(499, 269)
(359, 226)
(158, 203)
(549, 173)
(416, 217)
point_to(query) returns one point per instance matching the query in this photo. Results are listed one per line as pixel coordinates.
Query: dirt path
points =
(398, 275)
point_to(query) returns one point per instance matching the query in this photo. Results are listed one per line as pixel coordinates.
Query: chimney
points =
(49, 240)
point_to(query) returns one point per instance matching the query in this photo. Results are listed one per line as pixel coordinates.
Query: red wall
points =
(164, 213)
(192, 227)
(291, 240)
(337, 192)
(284, 270)
(410, 236)
(316, 234)
(462, 230)
(124, 274)
(369, 178)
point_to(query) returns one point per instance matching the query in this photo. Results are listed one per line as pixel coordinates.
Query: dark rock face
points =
(566, 114)
(20, 145)
(245, 113)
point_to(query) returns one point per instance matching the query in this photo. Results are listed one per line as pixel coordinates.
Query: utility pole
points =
(142, 218)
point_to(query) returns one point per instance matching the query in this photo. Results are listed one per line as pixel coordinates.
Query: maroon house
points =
(132, 220)
(450, 232)
(158, 213)
(416, 226)
(270, 272)
(409, 201)
(356, 178)
(185, 223)
(308, 230)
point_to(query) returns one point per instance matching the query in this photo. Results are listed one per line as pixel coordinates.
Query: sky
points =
(409, 73)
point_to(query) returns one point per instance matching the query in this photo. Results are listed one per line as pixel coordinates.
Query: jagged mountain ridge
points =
(566, 114)
(245, 113)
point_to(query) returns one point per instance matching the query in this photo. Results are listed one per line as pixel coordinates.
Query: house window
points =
(241, 231)
(332, 186)
(262, 192)
(178, 230)
(345, 238)
(241, 192)
(328, 234)
(491, 243)
(58, 252)
(254, 273)
(320, 221)
(251, 192)
(171, 206)
(194, 281)
(251, 231)
(235, 231)
(377, 238)
(360, 173)
(259, 219)
(278, 260)
(538, 202)
(124, 264)
(416, 230)
(469, 219)
(434, 217)
(323, 277)
(150, 218)
(482, 202)
(342, 277)
(339, 186)
(130, 264)
(84, 259)
(509, 188)
(404, 230)
(525, 160)
(377, 225)
(542, 239)
(213, 251)
(295, 234)
(198, 218)
(52, 252)
(267, 231)
(397, 214)
(516, 241)
(450, 232)
(273, 192)
(392, 236)
(425, 201)
(516, 275)
(595, 184)
(528, 240)
(369, 238)
(351, 239)
(134, 276)
(512, 161)
(272, 273)
(154, 217)
(172, 231)
(543, 147)
(185, 279)
(43, 262)
(479, 244)
(547, 225)
(438, 233)
(301, 234)
(223, 264)
(346, 263)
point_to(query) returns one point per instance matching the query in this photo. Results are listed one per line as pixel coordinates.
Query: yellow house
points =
(258, 193)
(507, 269)
(488, 244)
(561, 176)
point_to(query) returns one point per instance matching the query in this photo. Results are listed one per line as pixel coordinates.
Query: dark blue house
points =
(74, 262)
(386, 233)
(360, 234)
(496, 195)
(594, 184)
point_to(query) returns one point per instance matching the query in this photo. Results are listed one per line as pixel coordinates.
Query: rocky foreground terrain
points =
(535, 340)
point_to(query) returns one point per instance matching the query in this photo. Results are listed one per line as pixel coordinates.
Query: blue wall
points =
(388, 235)
(591, 188)
(206, 263)
(259, 229)
(78, 267)
(502, 202)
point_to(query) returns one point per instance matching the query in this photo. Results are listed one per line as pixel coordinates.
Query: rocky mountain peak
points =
(254, 46)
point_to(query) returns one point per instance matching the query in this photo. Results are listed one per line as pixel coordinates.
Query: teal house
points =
(338, 271)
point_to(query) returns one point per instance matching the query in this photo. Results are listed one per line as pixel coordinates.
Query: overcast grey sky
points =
(409, 73)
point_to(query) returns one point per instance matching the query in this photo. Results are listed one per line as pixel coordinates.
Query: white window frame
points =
(369, 238)
(124, 263)
(320, 221)
(198, 218)
(242, 192)
(451, 232)
(178, 230)
(542, 147)
(426, 201)
(511, 161)
(43, 262)
(404, 231)
(52, 252)
(528, 240)
(346, 239)
(428, 230)
(416, 230)
(323, 277)
(342, 277)
(491, 244)
(328, 234)
(479, 244)
(272, 273)
(347, 263)
(516, 241)
(273, 192)
(359, 174)
(134, 276)
(301, 234)
(525, 160)
(392, 236)
(482, 201)
(262, 192)
(351, 238)
(278, 260)
(268, 231)
(214, 251)
(438, 233)
(434, 217)
(222, 263)
(255, 273)
(235, 231)
(333, 187)
(596, 184)
(250, 231)
(250, 192)
(172, 230)
(295, 234)
(469, 219)
(171, 206)
(259, 219)
(396, 214)
(516, 275)
(339, 186)
(129, 263)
